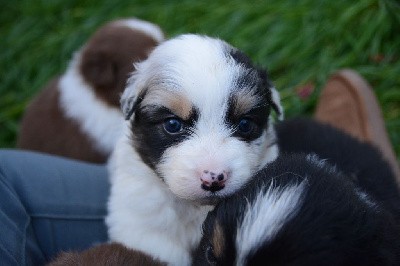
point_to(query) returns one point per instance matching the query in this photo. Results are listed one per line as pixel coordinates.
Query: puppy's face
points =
(200, 116)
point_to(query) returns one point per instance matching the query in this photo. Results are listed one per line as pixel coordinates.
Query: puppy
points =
(301, 210)
(110, 254)
(198, 127)
(77, 115)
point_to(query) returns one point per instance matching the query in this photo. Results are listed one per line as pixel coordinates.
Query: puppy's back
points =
(361, 162)
(45, 128)
(300, 212)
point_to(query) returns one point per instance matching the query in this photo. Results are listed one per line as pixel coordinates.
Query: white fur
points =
(197, 67)
(321, 163)
(182, 164)
(264, 217)
(145, 215)
(364, 197)
(101, 122)
(277, 99)
(159, 211)
(144, 26)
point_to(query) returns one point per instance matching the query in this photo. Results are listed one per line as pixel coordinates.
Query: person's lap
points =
(49, 204)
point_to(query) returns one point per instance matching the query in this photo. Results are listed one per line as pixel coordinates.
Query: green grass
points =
(299, 41)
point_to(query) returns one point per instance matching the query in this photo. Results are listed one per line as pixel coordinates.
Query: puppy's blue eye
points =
(245, 125)
(172, 125)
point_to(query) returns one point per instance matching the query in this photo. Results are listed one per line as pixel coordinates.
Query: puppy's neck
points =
(145, 215)
(94, 116)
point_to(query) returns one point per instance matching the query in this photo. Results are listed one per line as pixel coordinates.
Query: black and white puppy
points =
(198, 127)
(304, 210)
(77, 115)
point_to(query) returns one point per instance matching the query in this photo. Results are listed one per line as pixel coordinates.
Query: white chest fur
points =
(145, 215)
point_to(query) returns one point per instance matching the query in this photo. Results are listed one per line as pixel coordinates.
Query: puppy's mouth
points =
(213, 187)
(214, 193)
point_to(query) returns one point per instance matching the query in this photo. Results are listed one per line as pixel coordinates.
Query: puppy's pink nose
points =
(213, 180)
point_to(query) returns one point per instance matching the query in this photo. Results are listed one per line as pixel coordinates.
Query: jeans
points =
(49, 204)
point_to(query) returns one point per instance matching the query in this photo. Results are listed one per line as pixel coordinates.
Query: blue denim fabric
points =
(49, 204)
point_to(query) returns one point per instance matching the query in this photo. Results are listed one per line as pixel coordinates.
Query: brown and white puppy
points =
(110, 254)
(198, 127)
(77, 115)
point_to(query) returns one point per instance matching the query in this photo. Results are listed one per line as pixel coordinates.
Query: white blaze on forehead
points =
(173, 101)
(195, 66)
(265, 217)
(198, 73)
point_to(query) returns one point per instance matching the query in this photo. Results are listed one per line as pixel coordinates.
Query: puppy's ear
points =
(98, 68)
(131, 98)
(276, 103)
(128, 102)
(274, 99)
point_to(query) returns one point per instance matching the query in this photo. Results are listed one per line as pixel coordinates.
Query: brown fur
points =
(218, 240)
(244, 101)
(45, 128)
(107, 61)
(175, 102)
(105, 255)
(108, 56)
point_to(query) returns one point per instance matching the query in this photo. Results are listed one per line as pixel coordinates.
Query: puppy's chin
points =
(193, 192)
(209, 198)
(212, 200)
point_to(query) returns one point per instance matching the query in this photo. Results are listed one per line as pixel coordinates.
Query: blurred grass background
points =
(300, 42)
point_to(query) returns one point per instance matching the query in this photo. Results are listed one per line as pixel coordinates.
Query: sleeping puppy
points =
(77, 115)
(198, 127)
(304, 210)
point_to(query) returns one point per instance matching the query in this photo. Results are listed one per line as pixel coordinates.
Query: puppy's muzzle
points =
(213, 180)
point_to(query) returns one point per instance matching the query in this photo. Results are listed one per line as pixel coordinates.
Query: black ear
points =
(273, 96)
(276, 103)
(98, 69)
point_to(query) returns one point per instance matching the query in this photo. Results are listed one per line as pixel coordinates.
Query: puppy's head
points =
(107, 58)
(200, 116)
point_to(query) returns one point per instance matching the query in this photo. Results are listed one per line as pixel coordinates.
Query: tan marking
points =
(218, 240)
(174, 101)
(244, 101)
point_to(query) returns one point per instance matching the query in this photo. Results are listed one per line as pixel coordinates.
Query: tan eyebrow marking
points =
(244, 101)
(172, 100)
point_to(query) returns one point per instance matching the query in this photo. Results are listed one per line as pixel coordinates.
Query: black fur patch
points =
(256, 77)
(258, 115)
(333, 225)
(149, 137)
(241, 58)
(253, 78)
(356, 159)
